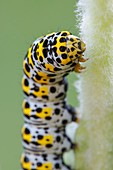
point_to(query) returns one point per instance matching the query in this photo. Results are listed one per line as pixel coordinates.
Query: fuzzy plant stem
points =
(95, 133)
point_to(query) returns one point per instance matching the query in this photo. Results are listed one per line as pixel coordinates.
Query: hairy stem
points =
(95, 133)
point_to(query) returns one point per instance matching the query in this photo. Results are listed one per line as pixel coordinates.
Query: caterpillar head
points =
(59, 50)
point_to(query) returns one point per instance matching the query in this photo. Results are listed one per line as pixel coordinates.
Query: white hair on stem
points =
(95, 133)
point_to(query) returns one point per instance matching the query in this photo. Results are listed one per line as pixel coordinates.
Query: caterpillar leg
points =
(75, 114)
(78, 68)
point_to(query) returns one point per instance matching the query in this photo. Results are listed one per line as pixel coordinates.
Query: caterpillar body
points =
(46, 112)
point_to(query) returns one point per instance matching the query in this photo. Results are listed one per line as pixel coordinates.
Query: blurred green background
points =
(21, 22)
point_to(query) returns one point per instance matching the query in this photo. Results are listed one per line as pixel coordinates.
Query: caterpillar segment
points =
(43, 161)
(46, 111)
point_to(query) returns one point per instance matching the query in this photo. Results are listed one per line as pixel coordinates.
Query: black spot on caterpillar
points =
(46, 112)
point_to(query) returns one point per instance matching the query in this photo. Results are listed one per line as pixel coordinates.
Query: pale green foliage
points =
(95, 134)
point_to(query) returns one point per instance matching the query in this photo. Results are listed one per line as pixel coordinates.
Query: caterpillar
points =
(46, 113)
